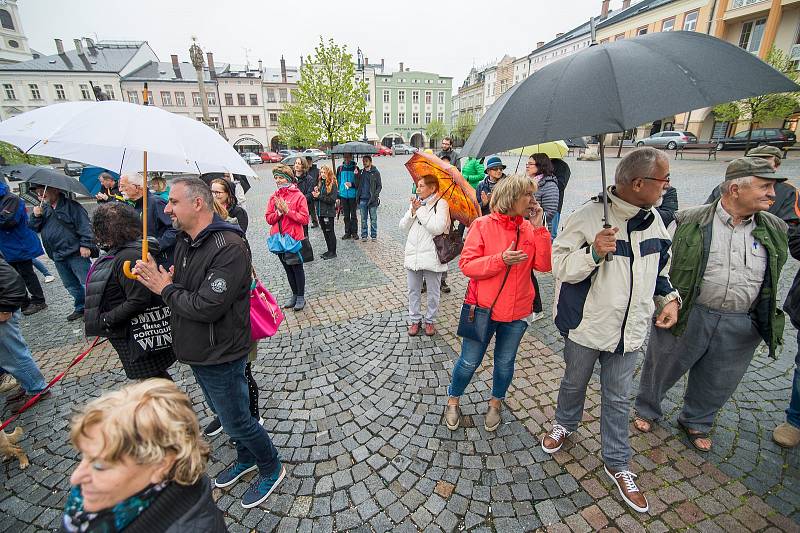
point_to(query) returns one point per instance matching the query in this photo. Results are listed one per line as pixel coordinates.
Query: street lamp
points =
(362, 67)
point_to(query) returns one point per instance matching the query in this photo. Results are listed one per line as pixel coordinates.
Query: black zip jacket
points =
(13, 293)
(210, 296)
(375, 186)
(64, 228)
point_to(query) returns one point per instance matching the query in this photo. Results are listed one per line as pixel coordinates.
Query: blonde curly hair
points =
(147, 421)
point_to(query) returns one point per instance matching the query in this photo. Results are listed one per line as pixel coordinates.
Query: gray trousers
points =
(432, 280)
(616, 382)
(715, 349)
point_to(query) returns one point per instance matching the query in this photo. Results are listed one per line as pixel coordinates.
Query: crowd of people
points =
(700, 283)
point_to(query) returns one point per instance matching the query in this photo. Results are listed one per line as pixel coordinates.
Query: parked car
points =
(270, 157)
(403, 149)
(668, 139)
(287, 153)
(382, 150)
(315, 152)
(73, 169)
(772, 136)
(291, 158)
(251, 158)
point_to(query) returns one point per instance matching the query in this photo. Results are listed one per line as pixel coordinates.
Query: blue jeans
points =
(38, 265)
(507, 338)
(225, 389)
(73, 271)
(15, 356)
(793, 412)
(364, 208)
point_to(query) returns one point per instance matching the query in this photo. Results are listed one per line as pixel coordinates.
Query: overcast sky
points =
(445, 37)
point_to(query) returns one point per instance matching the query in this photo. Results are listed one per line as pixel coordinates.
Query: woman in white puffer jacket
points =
(427, 217)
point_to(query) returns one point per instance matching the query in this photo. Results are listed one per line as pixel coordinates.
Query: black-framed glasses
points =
(665, 180)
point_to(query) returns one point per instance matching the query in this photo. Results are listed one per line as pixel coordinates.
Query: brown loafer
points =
(429, 330)
(413, 329)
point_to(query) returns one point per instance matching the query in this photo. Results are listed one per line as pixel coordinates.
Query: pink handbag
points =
(265, 313)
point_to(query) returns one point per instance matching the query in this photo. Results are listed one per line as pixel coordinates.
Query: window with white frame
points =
(133, 97)
(440, 97)
(668, 24)
(86, 93)
(35, 94)
(244, 121)
(211, 98)
(690, 21)
(228, 99)
(415, 118)
(110, 91)
(180, 99)
(166, 98)
(253, 99)
(414, 97)
(256, 121)
(427, 118)
(9, 91)
(150, 98)
(752, 34)
(231, 121)
(270, 95)
(401, 97)
(386, 97)
(273, 119)
(386, 118)
(196, 99)
(283, 95)
(240, 98)
(428, 97)
(401, 118)
(60, 93)
(440, 117)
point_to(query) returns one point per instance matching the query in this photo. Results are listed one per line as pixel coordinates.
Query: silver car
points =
(668, 139)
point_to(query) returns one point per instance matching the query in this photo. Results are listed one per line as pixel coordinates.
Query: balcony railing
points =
(743, 3)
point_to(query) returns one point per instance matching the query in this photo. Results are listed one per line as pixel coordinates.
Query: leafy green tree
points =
(296, 128)
(464, 126)
(765, 107)
(13, 156)
(436, 131)
(330, 96)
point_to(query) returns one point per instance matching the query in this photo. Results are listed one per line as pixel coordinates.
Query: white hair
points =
(134, 179)
(639, 163)
(725, 188)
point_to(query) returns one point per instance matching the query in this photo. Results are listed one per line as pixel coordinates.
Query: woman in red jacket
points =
(287, 212)
(500, 251)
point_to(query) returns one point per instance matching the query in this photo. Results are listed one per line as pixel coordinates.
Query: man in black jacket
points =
(15, 356)
(208, 292)
(368, 187)
(159, 224)
(68, 240)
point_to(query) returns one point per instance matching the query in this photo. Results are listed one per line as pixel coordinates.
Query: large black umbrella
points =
(355, 148)
(51, 178)
(617, 86)
(19, 172)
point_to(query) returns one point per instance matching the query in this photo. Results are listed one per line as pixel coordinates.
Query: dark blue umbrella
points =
(56, 180)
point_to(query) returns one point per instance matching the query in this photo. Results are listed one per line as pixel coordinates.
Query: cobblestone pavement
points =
(355, 407)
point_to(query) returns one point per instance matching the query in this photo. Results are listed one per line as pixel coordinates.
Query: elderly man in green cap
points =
(726, 262)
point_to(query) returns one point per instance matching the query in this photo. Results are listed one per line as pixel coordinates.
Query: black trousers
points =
(329, 232)
(312, 213)
(25, 269)
(297, 278)
(537, 298)
(350, 211)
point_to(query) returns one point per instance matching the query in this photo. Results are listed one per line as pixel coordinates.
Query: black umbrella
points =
(355, 148)
(20, 172)
(575, 142)
(51, 178)
(208, 177)
(617, 86)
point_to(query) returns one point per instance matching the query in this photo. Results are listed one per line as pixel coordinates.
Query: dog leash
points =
(55, 380)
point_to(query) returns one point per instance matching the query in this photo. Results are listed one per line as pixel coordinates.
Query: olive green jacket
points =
(690, 248)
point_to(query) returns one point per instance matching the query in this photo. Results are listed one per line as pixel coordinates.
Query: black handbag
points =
(150, 332)
(306, 254)
(474, 320)
(449, 245)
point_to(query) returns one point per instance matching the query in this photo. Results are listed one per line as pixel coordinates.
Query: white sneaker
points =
(536, 316)
(49, 279)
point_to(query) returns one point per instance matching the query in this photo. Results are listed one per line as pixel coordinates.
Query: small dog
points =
(8, 447)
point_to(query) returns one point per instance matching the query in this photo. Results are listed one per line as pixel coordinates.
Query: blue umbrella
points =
(89, 179)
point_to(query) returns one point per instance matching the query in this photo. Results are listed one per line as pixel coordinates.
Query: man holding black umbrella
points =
(68, 240)
(604, 308)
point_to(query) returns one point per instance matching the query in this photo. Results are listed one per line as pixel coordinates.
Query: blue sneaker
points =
(262, 487)
(231, 475)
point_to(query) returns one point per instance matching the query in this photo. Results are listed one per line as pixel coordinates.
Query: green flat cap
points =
(765, 150)
(751, 166)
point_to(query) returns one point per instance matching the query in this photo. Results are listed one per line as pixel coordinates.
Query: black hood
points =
(217, 224)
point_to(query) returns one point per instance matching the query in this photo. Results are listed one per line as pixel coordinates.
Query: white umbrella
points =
(115, 135)
(126, 138)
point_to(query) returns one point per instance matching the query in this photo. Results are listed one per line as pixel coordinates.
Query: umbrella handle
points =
(126, 269)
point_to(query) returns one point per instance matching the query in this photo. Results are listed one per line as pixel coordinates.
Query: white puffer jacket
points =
(422, 227)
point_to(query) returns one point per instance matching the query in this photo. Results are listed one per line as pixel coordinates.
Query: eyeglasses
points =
(217, 193)
(665, 180)
(531, 163)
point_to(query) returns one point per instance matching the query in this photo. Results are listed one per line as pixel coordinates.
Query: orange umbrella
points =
(453, 188)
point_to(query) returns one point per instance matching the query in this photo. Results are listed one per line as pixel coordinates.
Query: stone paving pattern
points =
(354, 406)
